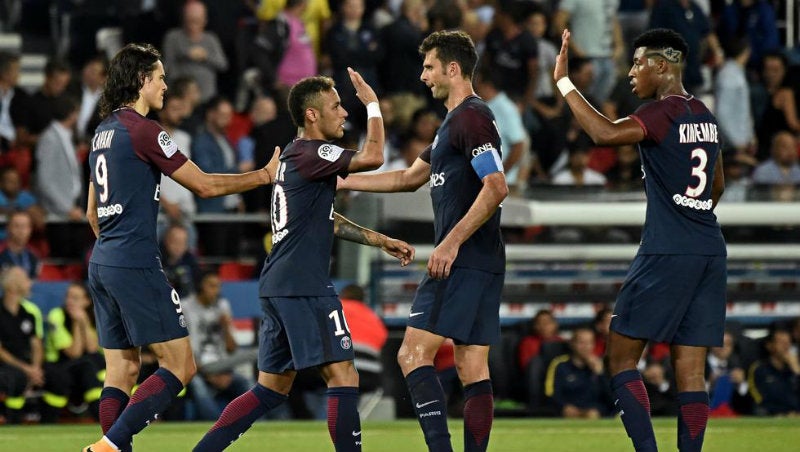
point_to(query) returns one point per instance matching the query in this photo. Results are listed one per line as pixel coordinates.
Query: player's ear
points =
(311, 115)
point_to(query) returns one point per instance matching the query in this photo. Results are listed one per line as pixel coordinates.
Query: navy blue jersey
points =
(468, 131)
(678, 153)
(128, 154)
(302, 220)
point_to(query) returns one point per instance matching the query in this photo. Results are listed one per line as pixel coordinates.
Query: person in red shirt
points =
(543, 328)
(368, 334)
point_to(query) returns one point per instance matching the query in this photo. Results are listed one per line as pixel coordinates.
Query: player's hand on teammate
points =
(399, 249)
(364, 92)
(560, 69)
(272, 166)
(441, 260)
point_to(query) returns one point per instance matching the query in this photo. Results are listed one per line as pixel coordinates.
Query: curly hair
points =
(304, 94)
(127, 73)
(452, 46)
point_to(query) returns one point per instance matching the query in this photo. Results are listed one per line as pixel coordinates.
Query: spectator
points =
(42, 104)
(596, 35)
(177, 202)
(782, 168)
(17, 252)
(513, 136)
(21, 330)
(575, 382)
(179, 263)
(58, 177)
(13, 198)
(543, 328)
(187, 89)
(315, 15)
(660, 389)
(737, 168)
(775, 105)
(626, 174)
(421, 133)
(72, 353)
(191, 50)
(93, 77)
(9, 95)
(512, 52)
(272, 127)
(353, 43)
(212, 152)
(773, 381)
(399, 69)
(211, 331)
(601, 325)
(755, 19)
(726, 379)
(299, 59)
(577, 173)
(368, 333)
(688, 19)
(732, 98)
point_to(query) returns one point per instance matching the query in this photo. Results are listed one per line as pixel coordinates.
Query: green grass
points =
(554, 435)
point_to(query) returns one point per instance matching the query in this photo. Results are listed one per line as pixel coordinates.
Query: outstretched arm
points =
(208, 185)
(408, 179)
(347, 230)
(601, 129)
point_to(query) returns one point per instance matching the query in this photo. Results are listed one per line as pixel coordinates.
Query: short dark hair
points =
(352, 292)
(63, 106)
(6, 59)
(304, 94)
(180, 86)
(56, 65)
(662, 39)
(452, 46)
(127, 73)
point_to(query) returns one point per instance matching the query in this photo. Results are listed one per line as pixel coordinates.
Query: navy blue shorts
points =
(677, 299)
(464, 307)
(134, 306)
(301, 332)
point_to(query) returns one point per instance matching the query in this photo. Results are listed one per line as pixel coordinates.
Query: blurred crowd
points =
(229, 66)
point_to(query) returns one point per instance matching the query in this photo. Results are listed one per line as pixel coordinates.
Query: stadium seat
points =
(235, 271)
(51, 272)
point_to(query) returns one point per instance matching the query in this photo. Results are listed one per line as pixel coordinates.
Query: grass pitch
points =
(508, 435)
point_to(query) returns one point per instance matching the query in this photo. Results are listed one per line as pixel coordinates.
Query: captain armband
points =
(487, 162)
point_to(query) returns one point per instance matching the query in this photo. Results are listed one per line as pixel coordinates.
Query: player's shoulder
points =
(473, 112)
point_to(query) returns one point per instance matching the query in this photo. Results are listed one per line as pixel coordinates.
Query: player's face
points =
(154, 87)
(643, 75)
(434, 76)
(331, 115)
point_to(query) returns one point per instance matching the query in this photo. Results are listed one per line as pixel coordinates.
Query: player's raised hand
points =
(272, 165)
(560, 69)
(364, 92)
(399, 249)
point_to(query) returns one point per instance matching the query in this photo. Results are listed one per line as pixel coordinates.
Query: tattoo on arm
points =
(347, 230)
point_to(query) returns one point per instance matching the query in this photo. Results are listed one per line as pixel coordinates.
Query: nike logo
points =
(356, 433)
(414, 314)
(614, 315)
(422, 405)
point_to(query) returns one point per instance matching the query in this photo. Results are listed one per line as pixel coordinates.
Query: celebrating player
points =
(134, 303)
(675, 288)
(460, 296)
(304, 325)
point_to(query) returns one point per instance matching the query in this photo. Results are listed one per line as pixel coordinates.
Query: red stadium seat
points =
(51, 272)
(235, 271)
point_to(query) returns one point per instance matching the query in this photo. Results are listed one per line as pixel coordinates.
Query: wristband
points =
(564, 84)
(373, 110)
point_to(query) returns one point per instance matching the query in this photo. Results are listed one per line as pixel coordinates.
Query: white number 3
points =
(698, 171)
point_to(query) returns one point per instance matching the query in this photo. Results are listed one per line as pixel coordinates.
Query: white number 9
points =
(101, 177)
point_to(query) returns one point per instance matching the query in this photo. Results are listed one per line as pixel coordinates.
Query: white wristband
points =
(565, 85)
(373, 110)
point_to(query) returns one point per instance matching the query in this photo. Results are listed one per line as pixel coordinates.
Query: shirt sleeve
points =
(653, 119)
(153, 144)
(477, 135)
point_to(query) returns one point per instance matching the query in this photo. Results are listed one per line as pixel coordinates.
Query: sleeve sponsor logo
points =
(482, 148)
(329, 152)
(167, 145)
